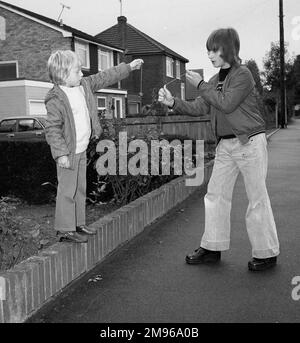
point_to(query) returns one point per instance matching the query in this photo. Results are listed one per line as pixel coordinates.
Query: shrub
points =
(16, 243)
(126, 188)
(24, 167)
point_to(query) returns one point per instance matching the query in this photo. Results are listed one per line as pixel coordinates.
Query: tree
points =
(252, 66)
(266, 107)
(296, 73)
(271, 75)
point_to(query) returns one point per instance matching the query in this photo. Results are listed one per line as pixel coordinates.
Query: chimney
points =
(122, 31)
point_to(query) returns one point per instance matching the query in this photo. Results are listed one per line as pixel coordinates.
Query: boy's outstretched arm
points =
(112, 75)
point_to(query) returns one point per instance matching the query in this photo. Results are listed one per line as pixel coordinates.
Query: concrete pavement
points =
(147, 280)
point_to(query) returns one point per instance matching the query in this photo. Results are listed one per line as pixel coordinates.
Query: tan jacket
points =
(237, 101)
(60, 125)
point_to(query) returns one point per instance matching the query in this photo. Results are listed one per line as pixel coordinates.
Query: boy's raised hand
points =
(193, 77)
(136, 64)
(63, 162)
(165, 97)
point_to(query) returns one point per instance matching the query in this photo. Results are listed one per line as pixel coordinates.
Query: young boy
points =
(230, 98)
(72, 120)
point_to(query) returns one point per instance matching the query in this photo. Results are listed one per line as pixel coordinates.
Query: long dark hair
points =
(228, 42)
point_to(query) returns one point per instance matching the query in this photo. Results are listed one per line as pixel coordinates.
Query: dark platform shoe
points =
(259, 264)
(202, 255)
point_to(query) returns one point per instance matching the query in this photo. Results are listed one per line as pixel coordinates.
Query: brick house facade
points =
(26, 41)
(162, 65)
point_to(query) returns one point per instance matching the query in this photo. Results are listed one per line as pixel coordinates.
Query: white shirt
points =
(81, 116)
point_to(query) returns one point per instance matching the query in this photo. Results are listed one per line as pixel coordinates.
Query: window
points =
(101, 103)
(82, 49)
(2, 28)
(27, 125)
(105, 59)
(182, 91)
(170, 64)
(9, 70)
(178, 70)
(37, 107)
(134, 108)
(8, 126)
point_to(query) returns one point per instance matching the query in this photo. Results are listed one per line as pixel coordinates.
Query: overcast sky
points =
(184, 25)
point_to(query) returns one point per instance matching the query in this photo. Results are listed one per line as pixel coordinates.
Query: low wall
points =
(30, 284)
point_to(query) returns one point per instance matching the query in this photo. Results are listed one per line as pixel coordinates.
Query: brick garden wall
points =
(31, 283)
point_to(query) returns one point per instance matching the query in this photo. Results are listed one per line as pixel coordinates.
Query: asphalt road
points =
(147, 280)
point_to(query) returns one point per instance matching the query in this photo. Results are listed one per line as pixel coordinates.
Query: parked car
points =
(22, 128)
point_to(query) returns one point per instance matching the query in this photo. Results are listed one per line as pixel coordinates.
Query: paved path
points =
(148, 280)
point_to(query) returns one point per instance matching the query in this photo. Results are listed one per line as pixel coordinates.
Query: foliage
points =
(16, 242)
(271, 76)
(252, 66)
(156, 108)
(265, 103)
(24, 167)
(126, 188)
(271, 63)
(296, 73)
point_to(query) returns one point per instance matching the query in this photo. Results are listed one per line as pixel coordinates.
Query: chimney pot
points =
(122, 19)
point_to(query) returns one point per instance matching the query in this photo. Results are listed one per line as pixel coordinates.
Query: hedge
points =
(24, 167)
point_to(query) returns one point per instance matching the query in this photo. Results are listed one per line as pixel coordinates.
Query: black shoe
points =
(202, 255)
(72, 237)
(86, 230)
(258, 264)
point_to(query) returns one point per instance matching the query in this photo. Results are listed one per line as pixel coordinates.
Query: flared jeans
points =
(71, 195)
(251, 159)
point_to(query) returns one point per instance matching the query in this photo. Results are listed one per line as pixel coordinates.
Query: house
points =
(191, 91)
(26, 41)
(162, 65)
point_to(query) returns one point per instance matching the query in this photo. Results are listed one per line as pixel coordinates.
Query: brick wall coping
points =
(33, 282)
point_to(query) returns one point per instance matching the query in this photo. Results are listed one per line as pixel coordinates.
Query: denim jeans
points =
(71, 195)
(251, 159)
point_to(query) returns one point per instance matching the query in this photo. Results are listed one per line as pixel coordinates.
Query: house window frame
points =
(110, 58)
(178, 69)
(114, 100)
(37, 101)
(11, 62)
(169, 66)
(102, 108)
(182, 90)
(79, 44)
(2, 28)
(136, 103)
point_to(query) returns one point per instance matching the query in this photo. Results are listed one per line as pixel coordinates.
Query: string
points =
(175, 79)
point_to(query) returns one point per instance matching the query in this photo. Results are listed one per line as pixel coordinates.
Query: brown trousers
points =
(71, 195)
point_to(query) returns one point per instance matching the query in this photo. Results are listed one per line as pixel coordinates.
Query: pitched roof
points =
(137, 42)
(75, 32)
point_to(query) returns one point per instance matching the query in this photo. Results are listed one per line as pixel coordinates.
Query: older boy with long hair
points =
(230, 99)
